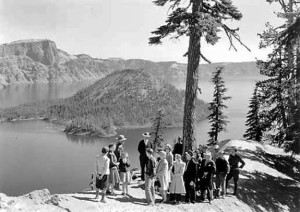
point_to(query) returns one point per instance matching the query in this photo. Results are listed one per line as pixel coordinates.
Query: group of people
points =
(112, 168)
(205, 171)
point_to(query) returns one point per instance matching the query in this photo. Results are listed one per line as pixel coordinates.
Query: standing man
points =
(189, 177)
(150, 177)
(178, 147)
(234, 161)
(222, 169)
(143, 146)
(207, 170)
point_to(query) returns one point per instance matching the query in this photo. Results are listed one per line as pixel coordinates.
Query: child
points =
(124, 172)
(114, 174)
(162, 174)
(102, 173)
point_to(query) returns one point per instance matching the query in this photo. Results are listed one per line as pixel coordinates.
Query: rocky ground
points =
(269, 182)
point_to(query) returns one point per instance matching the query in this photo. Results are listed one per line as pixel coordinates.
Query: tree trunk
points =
(191, 83)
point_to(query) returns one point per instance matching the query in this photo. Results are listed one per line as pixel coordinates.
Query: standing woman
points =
(162, 174)
(177, 185)
(102, 173)
(170, 160)
(113, 165)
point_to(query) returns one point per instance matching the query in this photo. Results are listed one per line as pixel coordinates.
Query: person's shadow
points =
(91, 199)
(130, 199)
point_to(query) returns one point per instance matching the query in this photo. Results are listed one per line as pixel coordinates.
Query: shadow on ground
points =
(130, 199)
(271, 193)
(86, 199)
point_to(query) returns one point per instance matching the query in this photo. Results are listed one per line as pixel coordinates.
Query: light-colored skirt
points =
(114, 177)
(125, 177)
(164, 181)
(177, 185)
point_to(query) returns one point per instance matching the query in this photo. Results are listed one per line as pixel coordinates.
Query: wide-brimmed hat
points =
(121, 138)
(146, 134)
(190, 152)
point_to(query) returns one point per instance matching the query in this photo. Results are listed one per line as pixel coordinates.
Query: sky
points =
(121, 28)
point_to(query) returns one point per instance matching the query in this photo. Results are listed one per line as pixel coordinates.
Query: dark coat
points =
(234, 161)
(151, 167)
(142, 148)
(124, 167)
(113, 160)
(222, 165)
(206, 172)
(178, 148)
(190, 173)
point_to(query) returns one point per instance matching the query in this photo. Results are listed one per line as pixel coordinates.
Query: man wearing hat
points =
(142, 147)
(206, 172)
(189, 177)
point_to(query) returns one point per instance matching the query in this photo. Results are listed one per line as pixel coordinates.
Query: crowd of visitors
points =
(205, 172)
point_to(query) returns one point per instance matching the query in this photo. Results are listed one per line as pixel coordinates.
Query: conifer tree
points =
(217, 118)
(279, 91)
(255, 129)
(159, 123)
(197, 19)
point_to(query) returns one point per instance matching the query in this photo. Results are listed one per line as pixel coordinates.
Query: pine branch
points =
(231, 34)
(204, 58)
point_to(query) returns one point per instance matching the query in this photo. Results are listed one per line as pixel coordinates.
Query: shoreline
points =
(90, 133)
(258, 176)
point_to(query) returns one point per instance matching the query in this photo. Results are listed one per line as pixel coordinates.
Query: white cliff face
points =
(41, 61)
(29, 61)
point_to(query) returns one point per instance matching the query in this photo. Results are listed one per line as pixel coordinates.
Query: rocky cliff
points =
(41, 61)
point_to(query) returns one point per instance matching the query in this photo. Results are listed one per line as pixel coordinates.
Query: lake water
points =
(37, 154)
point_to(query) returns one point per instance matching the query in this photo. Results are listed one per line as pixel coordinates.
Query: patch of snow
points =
(255, 166)
(243, 145)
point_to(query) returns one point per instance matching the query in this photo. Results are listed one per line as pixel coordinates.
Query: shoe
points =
(108, 192)
(103, 201)
(193, 202)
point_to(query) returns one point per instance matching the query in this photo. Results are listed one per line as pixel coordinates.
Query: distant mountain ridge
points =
(28, 61)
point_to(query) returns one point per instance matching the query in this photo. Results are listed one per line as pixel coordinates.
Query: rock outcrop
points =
(28, 61)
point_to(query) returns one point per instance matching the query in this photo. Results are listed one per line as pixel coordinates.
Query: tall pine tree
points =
(159, 123)
(255, 129)
(217, 118)
(279, 91)
(197, 19)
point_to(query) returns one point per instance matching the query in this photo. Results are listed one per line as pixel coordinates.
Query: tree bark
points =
(191, 83)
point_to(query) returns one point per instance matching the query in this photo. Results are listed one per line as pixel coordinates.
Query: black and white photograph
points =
(150, 105)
